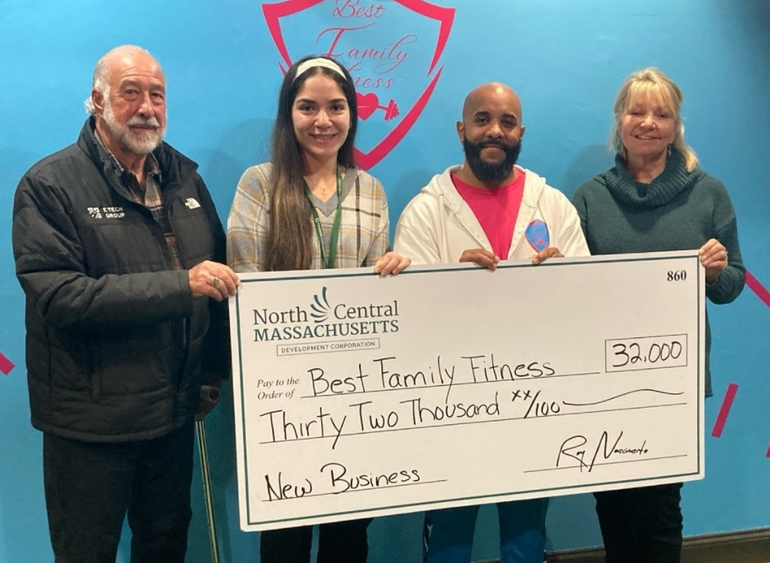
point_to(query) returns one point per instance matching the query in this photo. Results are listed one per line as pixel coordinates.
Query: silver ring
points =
(215, 281)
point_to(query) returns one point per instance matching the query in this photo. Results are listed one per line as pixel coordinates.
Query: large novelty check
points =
(358, 396)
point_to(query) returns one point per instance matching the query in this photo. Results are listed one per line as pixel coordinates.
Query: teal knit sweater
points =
(678, 210)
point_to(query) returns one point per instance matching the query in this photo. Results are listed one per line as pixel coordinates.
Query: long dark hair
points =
(289, 243)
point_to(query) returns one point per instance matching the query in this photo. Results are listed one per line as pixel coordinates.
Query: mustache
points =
(143, 121)
(498, 144)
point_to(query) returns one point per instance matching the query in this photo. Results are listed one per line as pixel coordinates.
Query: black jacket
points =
(117, 348)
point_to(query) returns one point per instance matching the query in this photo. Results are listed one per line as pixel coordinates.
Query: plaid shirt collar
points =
(151, 166)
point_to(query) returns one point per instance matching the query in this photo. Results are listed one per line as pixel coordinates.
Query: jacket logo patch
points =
(192, 203)
(537, 235)
(106, 212)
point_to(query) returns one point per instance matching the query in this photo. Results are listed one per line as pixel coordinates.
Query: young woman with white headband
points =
(311, 208)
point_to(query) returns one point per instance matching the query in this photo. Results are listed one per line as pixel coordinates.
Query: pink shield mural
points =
(392, 49)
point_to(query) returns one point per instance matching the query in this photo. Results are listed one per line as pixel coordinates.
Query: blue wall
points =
(565, 58)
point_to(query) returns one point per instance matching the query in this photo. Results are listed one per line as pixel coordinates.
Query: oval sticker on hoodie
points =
(537, 235)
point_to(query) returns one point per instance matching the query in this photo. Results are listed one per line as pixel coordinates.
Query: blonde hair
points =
(651, 81)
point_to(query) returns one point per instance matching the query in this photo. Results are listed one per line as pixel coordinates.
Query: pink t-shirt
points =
(496, 210)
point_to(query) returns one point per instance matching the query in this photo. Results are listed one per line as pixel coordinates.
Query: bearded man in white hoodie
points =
(486, 210)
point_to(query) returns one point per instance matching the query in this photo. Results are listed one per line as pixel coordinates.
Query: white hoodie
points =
(438, 225)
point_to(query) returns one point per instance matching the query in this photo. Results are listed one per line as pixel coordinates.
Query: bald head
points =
(114, 60)
(490, 93)
(491, 133)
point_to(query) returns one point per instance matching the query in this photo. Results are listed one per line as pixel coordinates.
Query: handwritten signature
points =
(577, 448)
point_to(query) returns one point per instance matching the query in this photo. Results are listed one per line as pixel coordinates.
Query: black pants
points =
(338, 542)
(89, 488)
(642, 525)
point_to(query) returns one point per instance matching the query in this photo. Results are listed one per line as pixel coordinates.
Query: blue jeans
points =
(448, 533)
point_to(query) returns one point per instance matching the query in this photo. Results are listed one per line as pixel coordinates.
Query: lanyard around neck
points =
(328, 262)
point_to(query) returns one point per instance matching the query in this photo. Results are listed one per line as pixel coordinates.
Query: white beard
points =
(136, 142)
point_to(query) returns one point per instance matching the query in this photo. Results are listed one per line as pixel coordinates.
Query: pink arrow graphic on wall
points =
(762, 292)
(758, 288)
(6, 365)
(727, 404)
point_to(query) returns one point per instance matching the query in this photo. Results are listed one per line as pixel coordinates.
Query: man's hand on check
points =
(550, 252)
(484, 258)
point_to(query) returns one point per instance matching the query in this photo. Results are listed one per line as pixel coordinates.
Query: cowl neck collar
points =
(662, 190)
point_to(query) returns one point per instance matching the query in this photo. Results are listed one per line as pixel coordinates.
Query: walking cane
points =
(210, 394)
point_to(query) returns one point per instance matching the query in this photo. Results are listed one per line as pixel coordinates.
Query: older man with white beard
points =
(120, 253)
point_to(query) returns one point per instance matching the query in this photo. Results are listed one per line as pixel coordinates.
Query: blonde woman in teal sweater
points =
(656, 198)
